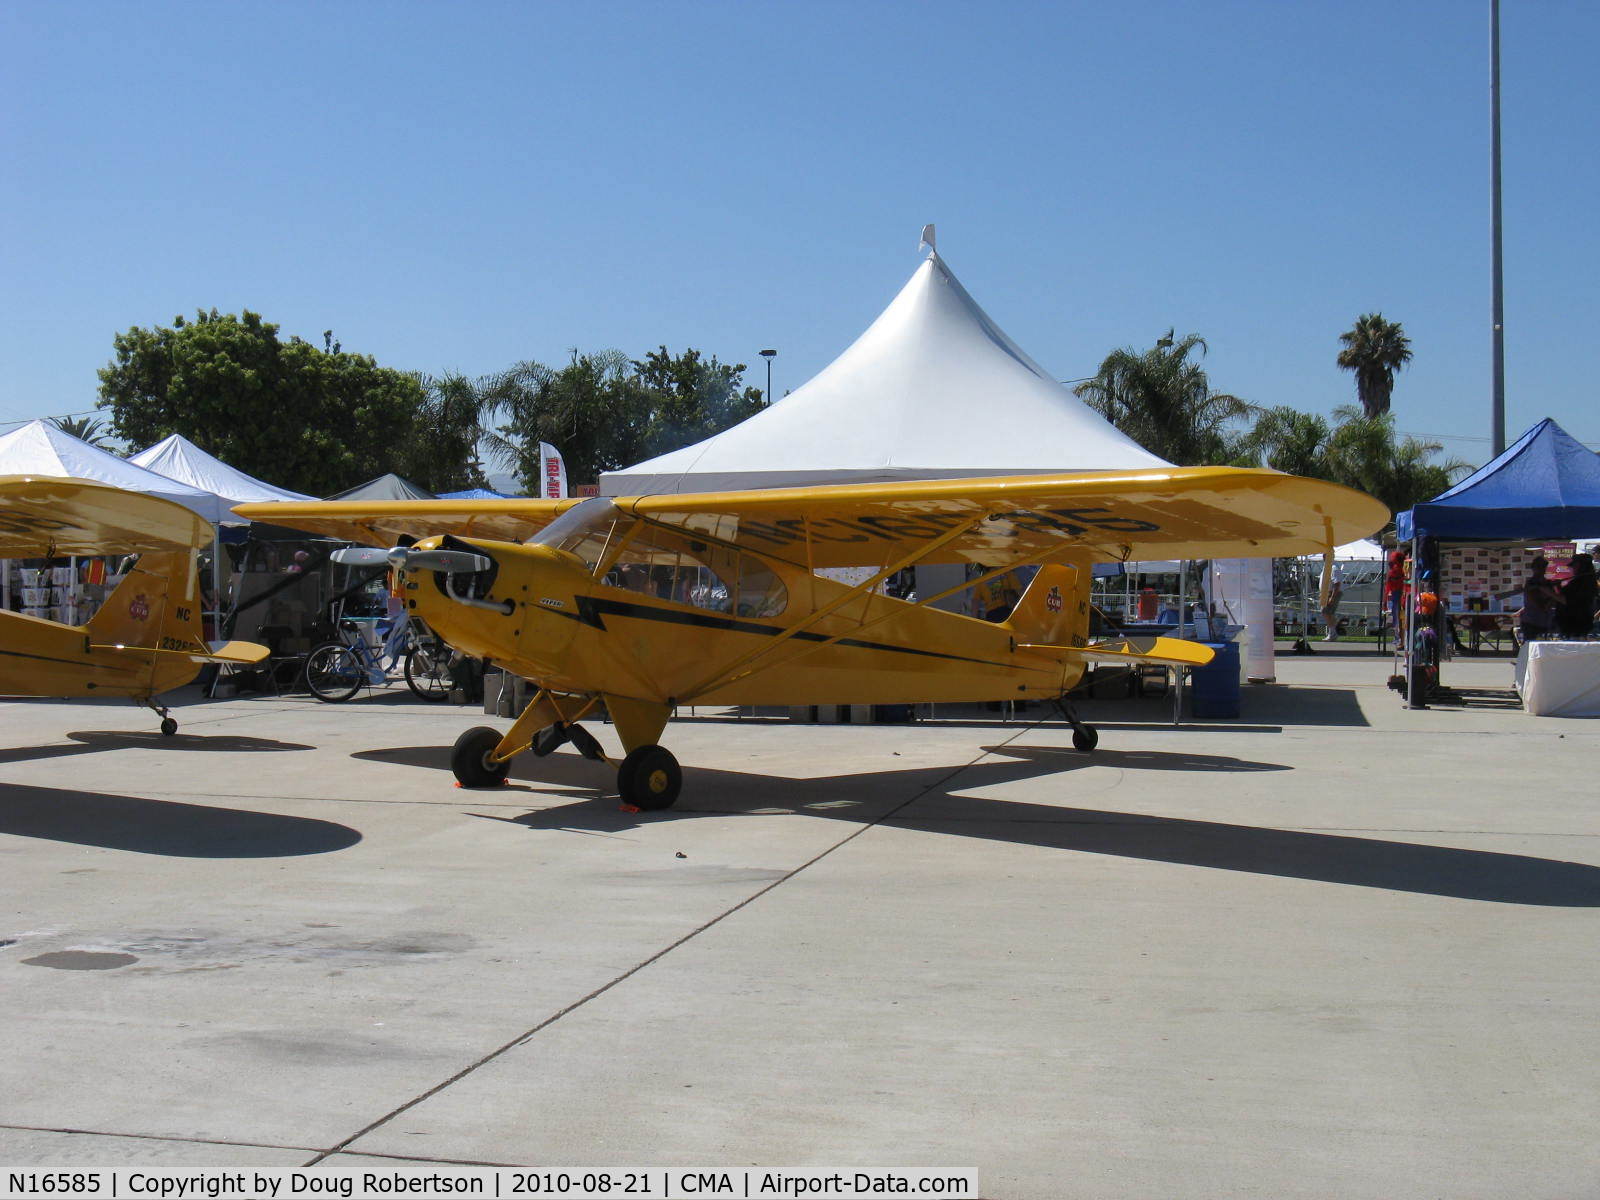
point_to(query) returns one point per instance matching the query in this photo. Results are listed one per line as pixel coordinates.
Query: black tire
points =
(649, 778)
(168, 727)
(470, 759)
(584, 743)
(428, 671)
(333, 672)
(1085, 739)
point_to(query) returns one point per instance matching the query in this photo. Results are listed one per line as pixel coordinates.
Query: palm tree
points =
(1291, 441)
(1165, 403)
(1362, 453)
(1374, 349)
(86, 429)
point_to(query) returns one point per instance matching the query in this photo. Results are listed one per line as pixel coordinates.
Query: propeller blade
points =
(360, 556)
(450, 562)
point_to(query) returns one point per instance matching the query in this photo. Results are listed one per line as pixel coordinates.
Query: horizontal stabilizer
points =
(241, 653)
(1175, 651)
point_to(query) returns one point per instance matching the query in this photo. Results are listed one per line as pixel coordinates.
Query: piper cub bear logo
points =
(1052, 600)
(139, 607)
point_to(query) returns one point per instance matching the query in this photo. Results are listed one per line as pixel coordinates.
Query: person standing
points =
(1330, 612)
(1538, 614)
(1575, 618)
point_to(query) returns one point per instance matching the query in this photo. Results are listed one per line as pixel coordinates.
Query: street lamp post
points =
(769, 355)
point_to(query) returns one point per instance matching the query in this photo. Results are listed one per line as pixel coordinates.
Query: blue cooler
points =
(1214, 688)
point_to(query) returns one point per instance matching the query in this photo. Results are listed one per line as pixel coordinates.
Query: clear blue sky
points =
(461, 186)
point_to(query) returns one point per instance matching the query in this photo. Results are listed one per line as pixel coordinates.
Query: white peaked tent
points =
(933, 389)
(39, 448)
(178, 458)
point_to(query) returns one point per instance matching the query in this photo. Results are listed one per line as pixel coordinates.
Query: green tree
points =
(316, 421)
(1374, 349)
(691, 398)
(604, 411)
(1291, 441)
(86, 429)
(592, 410)
(1163, 401)
(442, 451)
(1362, 453)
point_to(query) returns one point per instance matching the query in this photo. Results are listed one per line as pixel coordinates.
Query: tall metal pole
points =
(769, 355)
(1497, 431)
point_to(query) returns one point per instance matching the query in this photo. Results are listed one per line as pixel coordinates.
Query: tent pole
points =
(216, 584)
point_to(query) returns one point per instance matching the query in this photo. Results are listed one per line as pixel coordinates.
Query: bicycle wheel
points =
(334, 672)
(428, 670)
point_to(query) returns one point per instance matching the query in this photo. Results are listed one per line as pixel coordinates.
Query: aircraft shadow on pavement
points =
(165, 827)
(942, 804)
(93, 741)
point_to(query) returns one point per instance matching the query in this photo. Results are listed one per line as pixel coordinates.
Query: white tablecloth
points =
(1560, 679)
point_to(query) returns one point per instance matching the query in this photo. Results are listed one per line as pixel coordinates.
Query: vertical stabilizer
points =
(1054, 611)
(156, 606)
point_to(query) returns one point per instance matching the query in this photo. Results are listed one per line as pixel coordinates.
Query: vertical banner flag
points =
(552, 473)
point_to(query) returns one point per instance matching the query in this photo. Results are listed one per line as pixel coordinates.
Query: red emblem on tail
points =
(139, 608)
(1052, 600)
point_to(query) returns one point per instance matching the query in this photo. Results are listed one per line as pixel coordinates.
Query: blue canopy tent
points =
(1546, 485)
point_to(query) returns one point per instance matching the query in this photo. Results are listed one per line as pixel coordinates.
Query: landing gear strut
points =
(1084, 737)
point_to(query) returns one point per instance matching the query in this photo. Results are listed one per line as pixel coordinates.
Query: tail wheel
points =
(428, 671)
(649, 778)
(469, 759)
(334, 673)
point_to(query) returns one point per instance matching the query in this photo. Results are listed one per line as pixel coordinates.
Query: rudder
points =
(156, 606)
(1055, 609)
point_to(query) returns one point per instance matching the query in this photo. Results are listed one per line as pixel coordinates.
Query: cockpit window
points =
(684, 570)
(583, 530)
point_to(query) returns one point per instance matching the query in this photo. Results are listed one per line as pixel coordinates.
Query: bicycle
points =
(336, 670)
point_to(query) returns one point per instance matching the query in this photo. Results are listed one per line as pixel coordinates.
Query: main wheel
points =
(168, 727)
(428, 671)
(470, 758)
(1085, 738)
(334, 673)
(649, 778)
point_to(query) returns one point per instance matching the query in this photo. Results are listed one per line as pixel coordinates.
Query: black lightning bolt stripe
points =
(592, 611)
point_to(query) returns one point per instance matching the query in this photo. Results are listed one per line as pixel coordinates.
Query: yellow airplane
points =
(646, 603)
(147, 637)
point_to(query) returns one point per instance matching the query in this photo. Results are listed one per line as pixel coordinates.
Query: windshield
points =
(583, 530)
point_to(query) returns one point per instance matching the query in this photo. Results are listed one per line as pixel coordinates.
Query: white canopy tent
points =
(934, 389)
(178, 458)
(39, 448)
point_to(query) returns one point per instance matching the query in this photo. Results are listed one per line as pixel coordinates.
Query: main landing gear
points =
(1084, 737)
(648, 778)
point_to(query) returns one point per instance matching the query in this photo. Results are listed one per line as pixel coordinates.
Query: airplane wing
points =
(1190, 512)
(43, 516)
(384, 522)
(1193, 512)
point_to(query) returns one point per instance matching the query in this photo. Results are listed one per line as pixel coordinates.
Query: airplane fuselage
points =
(546, 617)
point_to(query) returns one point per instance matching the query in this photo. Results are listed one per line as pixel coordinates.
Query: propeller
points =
(360, 556)
(449, 562)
